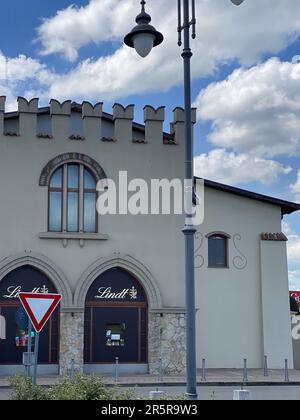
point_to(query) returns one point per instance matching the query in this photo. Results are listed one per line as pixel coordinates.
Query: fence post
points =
(286, 370)
(245, 375)
(117, 370)
(72, 370)
(266, 372)
(160, 374)
(203, 379)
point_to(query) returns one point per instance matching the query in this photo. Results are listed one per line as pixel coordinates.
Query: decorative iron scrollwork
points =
(199, 259)
(240, 261)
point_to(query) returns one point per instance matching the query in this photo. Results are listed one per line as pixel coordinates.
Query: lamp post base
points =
(191, 397)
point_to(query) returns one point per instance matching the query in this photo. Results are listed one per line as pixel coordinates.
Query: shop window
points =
(22, 334)
(115, 334)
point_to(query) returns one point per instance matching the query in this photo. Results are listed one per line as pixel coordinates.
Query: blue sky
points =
(244, 83)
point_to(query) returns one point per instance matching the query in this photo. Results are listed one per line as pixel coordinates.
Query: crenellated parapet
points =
(178, 124)
(60, 109)
(154, 120)
(123, 118)
(27, 116)
(69, 121)
(60, 118)
(92, 120)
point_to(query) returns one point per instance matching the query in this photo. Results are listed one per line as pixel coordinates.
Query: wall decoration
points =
(240, 261)
(199, 259)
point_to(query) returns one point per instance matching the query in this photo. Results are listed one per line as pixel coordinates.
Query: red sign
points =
(39, 307)
(296, 295)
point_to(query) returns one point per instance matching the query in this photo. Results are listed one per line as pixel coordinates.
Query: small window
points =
(217, 251)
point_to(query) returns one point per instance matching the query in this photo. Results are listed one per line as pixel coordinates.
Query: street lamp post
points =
(143, 38)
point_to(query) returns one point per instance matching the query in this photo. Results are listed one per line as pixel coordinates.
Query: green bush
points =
(83, 387)
(88, 388)
(24, 390)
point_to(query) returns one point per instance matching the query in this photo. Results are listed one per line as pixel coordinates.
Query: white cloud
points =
(255, 110)
(293, 249)
(75, 27)
(231, 168)
(107, 79)
(22, 75)
(295, 188)
(225, 32)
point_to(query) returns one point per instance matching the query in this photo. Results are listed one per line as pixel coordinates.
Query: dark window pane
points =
(55, 211)
(73, 176)
(72, 212)
(90, 212)
(217, 251)
(56, 180)
(89, 181)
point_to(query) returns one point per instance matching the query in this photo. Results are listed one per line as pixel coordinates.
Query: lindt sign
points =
(13, 291)
(107, 293)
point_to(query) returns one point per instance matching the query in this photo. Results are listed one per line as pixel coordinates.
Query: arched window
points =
(218, 250)
(72, 200)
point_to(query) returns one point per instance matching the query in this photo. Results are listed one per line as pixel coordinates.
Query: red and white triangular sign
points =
(39, 307)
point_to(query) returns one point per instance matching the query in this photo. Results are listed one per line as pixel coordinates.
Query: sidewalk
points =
(215, 377)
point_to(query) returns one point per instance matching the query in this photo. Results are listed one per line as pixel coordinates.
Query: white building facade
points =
(122, 276)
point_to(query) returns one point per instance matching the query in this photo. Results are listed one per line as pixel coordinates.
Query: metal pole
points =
(117, 370)
(266, 373)
(29, 349)
(203, 370)
(36, 356)
(160, 370)
(286, 370)
(73, 370)
(189, 229)
(245, 379)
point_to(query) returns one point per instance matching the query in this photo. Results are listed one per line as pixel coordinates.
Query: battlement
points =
(85, 122)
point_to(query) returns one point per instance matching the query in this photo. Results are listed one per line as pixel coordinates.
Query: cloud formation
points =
(225, 33)
(293, 249)
(295, 188)
(23, 75)
(255, 110)
(231, 168)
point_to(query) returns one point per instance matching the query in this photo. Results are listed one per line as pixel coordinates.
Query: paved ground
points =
(213, 377)
(270, 393)
(4, 394)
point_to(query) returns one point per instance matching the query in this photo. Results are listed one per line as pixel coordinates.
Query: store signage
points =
(14, 291)
(108, 293)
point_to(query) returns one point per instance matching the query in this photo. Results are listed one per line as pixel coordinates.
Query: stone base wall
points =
(167, 342)
(71, 342)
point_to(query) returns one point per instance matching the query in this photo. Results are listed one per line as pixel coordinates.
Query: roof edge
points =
(287, 207)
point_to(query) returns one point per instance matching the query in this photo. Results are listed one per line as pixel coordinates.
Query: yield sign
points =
(39, 307)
